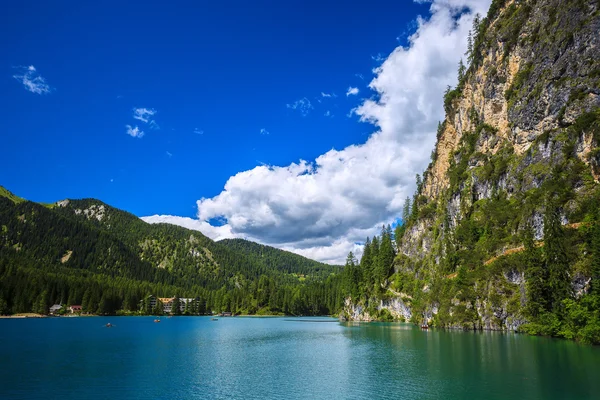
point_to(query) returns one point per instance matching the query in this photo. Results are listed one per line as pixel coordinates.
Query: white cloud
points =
(143, 114)
(169, 154)
(134, 131)
(214, 232)
(153, 125)
(325, 94)
(352, 91)
(263, 131)
(328, 114)
(321, 209)
(378, 58)
(198, 131)
(360, 76)
(32, 80)
(303, 105)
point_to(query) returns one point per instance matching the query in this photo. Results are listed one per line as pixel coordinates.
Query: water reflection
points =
(276, 358)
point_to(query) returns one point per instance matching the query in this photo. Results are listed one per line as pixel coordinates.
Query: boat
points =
(214, 319)
(157, 320)
(109, 325)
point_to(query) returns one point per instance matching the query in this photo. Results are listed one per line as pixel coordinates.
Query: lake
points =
(283, 358)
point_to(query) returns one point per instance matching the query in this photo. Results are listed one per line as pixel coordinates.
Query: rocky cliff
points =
(522, 130)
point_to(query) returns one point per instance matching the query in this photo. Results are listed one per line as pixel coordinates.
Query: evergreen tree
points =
(175, 310)
(406, 211)
(556, 258)
(386, 254)
(374, 263)
(469, 52)
(3, 307)
(595, 250)
(535, 276)
(366, 263)
(461, 71)
(158, 308)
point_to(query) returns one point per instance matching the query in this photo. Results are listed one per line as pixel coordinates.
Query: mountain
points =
(502, 232)
(85, 251)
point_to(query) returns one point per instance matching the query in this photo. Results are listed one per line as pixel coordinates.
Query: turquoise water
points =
(283, 358)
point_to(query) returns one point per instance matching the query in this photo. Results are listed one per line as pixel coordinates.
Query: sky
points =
(299, 125)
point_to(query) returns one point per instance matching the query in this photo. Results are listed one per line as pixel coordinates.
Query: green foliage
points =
(536, 276)
(512, 22)
(450, 96)
(518, 83)
(556, 258)
(86, 252)
(5, 193)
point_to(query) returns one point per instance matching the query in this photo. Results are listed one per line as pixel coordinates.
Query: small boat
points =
(157, 320)
(214, 319)
(109, 325)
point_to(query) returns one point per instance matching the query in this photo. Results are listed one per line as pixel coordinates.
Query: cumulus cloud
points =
(263, 131)
(134, 131)
(214, 232)
(322, 209)
(303, 106)
(323, 94)
(352, 91)
(143, 114)
(32, 81)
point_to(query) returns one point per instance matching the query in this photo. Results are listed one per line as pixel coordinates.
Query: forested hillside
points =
(503, 231)
(86, 252)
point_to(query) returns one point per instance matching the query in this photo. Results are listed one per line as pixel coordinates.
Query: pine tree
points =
(366, 263)
(469, 52)
(556, 258)
(536, 277)
(595, 250)
(175, 306)
(461, 71)
(158, 308)
(386, 254)
(406, 211)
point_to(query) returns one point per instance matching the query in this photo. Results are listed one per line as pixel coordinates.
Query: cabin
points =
(55, 308)
(75, 309)
(226, 314)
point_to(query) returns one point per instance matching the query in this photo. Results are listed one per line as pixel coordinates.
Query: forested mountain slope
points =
(78, 251)
(503, 230)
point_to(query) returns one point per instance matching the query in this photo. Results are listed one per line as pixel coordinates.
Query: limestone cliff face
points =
(525, 90)
(523, 121)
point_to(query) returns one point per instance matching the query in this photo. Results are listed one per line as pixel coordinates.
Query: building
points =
(75, 309)
(189, 302)
(55, 308)
(167, 303)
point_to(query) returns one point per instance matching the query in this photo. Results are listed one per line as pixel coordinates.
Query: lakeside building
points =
(55, 308)
(75, 309)
(167, 303)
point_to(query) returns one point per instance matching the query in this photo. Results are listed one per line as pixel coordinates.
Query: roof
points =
(56, 307)
(166, 299)
(75, 306)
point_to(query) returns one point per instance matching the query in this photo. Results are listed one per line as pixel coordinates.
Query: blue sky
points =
(227, 69)
(228, 86)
